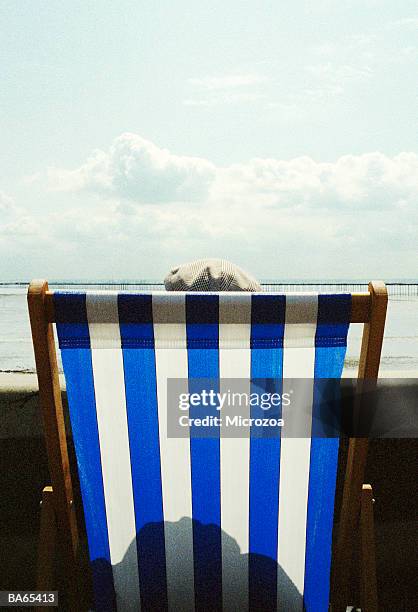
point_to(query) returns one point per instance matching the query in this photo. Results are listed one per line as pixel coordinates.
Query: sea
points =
(400, 346)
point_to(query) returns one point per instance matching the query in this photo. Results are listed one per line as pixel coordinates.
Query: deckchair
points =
(189, 523)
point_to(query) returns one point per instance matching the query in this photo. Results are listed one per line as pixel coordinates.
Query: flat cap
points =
(209, 275)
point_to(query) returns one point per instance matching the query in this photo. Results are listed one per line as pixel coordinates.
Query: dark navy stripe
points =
(135, 319)
(267, 318)
(329, 364)
(334, 315)
(72, 325)
(135, 308)
(144, 446)
(205, 453)
(267, 321)
(71, 319)
(202, 321)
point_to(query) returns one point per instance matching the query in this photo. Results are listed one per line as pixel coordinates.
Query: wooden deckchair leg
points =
(349, 523)
(47, 542)
(371, 347)
(368, 581)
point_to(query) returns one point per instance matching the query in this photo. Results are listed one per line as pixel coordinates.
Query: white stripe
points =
(109, 387)
(175, 454)
(235, 455)
(295, 452)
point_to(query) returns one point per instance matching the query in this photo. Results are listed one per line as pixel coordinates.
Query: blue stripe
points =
(267, 321)
(142, 415)
(81, 399)
(334, 313)
(205, 452)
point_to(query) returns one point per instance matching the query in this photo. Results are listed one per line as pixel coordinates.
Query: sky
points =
(139, 135)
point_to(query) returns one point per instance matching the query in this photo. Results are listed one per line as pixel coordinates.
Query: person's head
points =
(210, 275)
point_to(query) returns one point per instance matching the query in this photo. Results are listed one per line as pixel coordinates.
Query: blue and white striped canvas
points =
(200, 524)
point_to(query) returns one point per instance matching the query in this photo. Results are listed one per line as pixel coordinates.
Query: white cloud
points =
(406, 22)
(232, 81)
(6, 202)
(137, 171)
(15, 222)
(329, 79)
(135, 168)
(225, 89)
(339, 72)
(371, 181)
(355, 216)
(233, 97)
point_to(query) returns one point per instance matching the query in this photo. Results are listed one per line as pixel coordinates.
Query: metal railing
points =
(395, 289)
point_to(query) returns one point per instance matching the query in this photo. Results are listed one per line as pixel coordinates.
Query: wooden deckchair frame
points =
(58, 518)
